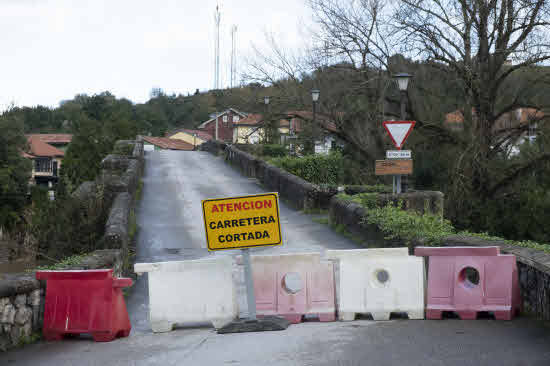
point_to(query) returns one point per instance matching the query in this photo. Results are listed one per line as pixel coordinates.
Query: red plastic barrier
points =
(292, 289)
(85, 302)
(450, 288)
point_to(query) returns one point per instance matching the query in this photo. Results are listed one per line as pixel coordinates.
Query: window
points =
(235, 118)
(43, 165)
(225, 120)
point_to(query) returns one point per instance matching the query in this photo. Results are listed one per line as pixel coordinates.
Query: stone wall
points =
(294, 190)
(22, 298)
(533, 267)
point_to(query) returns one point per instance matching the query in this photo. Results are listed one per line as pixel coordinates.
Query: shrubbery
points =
(274, 151)
(317, 169)
(410, 226)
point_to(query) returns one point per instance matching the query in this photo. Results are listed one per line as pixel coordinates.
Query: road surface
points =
(171, 228)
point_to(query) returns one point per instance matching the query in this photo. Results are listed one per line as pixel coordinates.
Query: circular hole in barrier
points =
(469, 277)
(292, 282)
(382, 276)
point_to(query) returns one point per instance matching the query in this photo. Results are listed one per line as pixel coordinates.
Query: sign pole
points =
(249, 284)
(241, 223)
(398, 183)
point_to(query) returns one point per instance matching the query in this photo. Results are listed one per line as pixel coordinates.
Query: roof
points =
(203, 125)
(200, 133)
(294, 118)
(168, 143)
(520, 116)
(53, 138)
(325, 121)
(38, 148)
(251, 120)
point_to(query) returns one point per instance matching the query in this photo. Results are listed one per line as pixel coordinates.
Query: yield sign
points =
(399, 131)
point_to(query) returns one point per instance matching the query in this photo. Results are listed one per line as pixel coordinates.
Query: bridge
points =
(171, 228)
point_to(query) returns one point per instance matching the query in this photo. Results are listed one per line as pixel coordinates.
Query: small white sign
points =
(398, 154)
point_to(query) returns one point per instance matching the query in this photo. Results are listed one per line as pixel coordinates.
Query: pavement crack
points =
(196, 347)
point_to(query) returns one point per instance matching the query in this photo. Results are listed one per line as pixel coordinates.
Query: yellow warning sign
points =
(242, 222)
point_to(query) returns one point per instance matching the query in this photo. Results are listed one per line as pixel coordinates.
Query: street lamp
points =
(314, 97)
(194, 141)
(402, 80)
(268, 128)
(266, 100)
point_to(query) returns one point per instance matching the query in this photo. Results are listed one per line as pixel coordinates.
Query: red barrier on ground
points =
(470, 284)
(85, 302)
(292, 289)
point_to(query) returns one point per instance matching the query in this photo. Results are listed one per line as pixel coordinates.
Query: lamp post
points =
(402, 80)
(267, 130)
(314, 98)
(194, 141)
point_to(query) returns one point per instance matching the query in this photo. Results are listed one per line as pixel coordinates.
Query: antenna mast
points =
(217, 17)
(233, 55)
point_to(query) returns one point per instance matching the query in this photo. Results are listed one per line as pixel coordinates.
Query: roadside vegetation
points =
(473, 105)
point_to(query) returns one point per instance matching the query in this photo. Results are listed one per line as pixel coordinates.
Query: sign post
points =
(398, 131)
(241, 223)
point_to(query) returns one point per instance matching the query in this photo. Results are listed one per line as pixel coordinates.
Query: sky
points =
(51, 50)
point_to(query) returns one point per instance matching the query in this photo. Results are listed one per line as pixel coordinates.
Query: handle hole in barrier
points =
(382, 276)
(292, 283)
(469, 277)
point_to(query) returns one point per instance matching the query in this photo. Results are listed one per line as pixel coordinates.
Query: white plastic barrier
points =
(379, 282)
(190, 292)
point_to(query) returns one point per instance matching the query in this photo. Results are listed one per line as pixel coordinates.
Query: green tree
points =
(15, 171)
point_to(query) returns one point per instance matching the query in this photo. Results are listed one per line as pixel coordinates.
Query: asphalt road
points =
(171, 228)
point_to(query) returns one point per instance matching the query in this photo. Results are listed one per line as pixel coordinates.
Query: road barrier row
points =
(378, 282)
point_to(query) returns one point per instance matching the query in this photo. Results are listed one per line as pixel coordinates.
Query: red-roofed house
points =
(46, 159)
(521, 117)
(193, 137)
(165, 143)
(225, 120)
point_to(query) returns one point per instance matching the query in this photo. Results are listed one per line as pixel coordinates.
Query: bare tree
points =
(492, 47)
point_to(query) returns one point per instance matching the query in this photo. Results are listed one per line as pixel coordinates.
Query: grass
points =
(73, 260)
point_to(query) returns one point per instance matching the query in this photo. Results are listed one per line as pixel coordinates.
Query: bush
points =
(274, 151)
(368, 200)
(408, 225)
(317, 169)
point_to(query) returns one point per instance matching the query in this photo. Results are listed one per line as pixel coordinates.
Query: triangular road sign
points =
(399, 131)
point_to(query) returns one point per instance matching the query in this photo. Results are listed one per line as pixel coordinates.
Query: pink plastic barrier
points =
(292, 288)
(454, 285)
(474, 251)
(456, 251)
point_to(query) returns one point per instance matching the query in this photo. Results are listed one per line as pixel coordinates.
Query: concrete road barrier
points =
(379, 282)
(294, 285)
(190, 292)
(470, 284)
